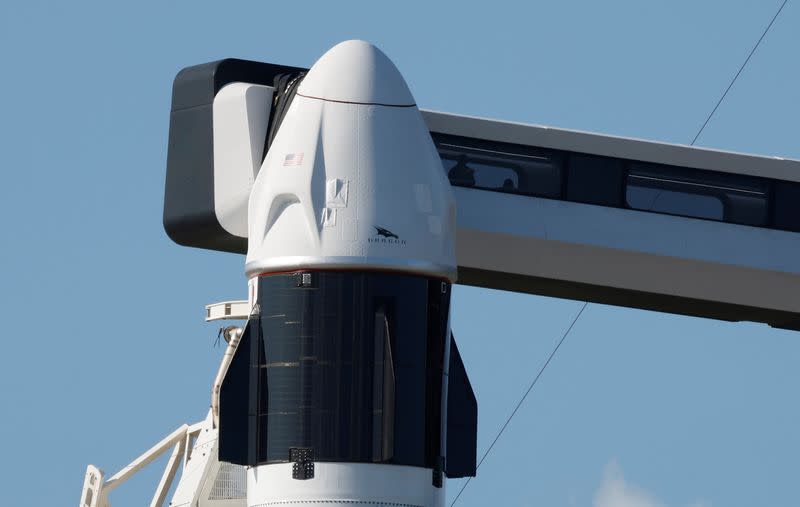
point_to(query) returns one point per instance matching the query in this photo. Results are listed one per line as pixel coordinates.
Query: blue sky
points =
(638, 409)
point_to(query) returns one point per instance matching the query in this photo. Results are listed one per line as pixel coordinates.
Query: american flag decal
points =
(293, 159)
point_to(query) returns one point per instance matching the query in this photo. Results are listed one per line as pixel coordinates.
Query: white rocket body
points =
(344, 485)
(351, 182)
(352, 179)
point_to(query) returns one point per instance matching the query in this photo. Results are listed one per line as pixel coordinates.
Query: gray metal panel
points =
(628, 258)
(610, 146)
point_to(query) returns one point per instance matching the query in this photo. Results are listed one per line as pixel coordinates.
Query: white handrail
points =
(95, 490)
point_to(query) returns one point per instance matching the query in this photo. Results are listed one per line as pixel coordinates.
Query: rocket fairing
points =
(339, 392)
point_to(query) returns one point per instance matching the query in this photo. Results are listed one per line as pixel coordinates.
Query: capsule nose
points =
(356, 71)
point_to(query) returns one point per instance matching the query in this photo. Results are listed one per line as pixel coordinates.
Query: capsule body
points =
(337, 394)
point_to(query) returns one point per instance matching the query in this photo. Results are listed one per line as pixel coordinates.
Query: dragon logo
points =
(386, 233)
(385, 236)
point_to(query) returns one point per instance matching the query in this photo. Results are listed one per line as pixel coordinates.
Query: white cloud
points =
(615, 491)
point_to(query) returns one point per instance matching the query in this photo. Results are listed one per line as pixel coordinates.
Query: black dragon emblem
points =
(386, 233)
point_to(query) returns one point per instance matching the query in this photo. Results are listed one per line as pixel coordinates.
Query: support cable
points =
(522, 400)
(752, 51)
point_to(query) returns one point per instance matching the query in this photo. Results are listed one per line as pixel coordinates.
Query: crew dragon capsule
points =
(346, 387)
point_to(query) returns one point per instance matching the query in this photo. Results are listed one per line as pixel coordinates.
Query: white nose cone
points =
(356, 71)
(352, 179)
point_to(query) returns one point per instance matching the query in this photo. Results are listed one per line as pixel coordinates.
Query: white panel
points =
(241, 116)
(92, 488)
(228, 310)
